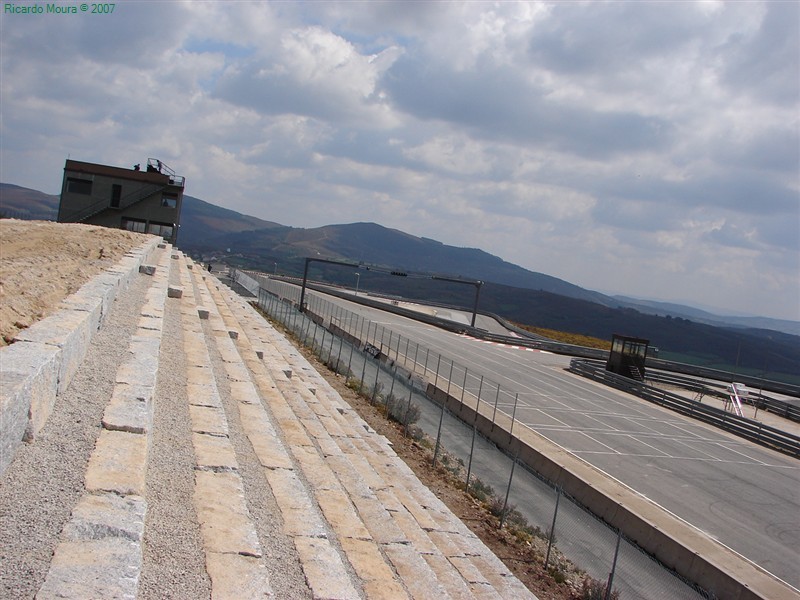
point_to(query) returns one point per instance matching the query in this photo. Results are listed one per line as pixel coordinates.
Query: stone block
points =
(174, 291)
(175, 256)
(129, 410)
(234, 335)
(29, 375)
(106, 516)
(162, 245)
(237, 576)
(213, 451)
(15, 403)
(70, 331)
(225, 522)
(147, 269)
(260, 354)
(118, 464)
(325, 573)
(107, 568)
(91, 304)
(202, 312)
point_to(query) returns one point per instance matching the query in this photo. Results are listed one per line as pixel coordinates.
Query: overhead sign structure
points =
(476, 283)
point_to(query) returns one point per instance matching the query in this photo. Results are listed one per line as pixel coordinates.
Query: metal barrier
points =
(749, 429)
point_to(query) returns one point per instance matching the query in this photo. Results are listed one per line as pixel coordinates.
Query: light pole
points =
(358, 281)
(276, 269)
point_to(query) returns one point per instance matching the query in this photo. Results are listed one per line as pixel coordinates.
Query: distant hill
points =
(701, 316)
(682, 333)
(377, 245)
(23, 203)
(202, 223)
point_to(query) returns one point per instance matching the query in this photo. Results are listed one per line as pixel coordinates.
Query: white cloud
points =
(651, 148)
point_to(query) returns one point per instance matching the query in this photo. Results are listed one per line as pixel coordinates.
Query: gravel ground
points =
(173, 559)
(44, 482)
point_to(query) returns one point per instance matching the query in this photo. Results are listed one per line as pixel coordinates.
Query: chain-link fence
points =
(410, 375)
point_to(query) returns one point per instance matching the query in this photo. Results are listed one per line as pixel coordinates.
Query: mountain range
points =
(683, 333)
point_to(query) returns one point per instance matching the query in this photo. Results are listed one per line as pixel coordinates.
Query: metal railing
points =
(749, 429)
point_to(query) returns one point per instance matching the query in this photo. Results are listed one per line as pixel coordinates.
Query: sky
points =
(643, 148)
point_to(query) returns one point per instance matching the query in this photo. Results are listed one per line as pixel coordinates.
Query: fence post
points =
(408, 407)
(375, 387)
(513, 416)
(508, 491)
(364, 369)
(444, 404)
(350, 363)
(496, 400)
(474, 430)
(552, 529)
(391, 388)
(610, 582)
(339, 355)
(436, 379)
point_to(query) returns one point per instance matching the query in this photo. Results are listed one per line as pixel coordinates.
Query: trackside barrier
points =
(749, 429)
(607, 529)
(757, 399)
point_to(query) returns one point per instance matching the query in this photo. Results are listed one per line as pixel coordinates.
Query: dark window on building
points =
(162, 229)
(79, 186)
(116, 194)
(134, 225)
(169, 201)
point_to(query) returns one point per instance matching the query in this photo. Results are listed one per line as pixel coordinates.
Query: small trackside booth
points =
(627, 357)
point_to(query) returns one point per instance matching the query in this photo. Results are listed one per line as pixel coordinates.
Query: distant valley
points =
(750, 344)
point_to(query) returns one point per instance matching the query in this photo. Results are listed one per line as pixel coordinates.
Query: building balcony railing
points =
(156, 166)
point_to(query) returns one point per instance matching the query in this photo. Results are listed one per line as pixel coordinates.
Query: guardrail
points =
(741, 426)
(757, 399)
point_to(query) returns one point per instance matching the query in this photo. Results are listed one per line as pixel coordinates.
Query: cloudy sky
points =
(644, 148)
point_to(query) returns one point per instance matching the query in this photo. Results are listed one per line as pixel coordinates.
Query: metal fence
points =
(391, 365)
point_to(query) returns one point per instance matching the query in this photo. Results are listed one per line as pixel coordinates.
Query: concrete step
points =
(358, 481)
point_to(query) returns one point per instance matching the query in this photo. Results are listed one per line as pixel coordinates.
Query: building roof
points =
(117, 172)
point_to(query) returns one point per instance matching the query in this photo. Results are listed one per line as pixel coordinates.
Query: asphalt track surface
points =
(745, 496)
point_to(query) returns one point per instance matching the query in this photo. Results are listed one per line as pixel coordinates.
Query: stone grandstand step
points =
(100, 552)
(326, 573)
(232, 551)
(358, 480)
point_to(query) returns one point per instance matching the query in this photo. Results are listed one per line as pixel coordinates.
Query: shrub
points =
(356, 385)
(557, 574)
(480, 490)
(593, 589)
